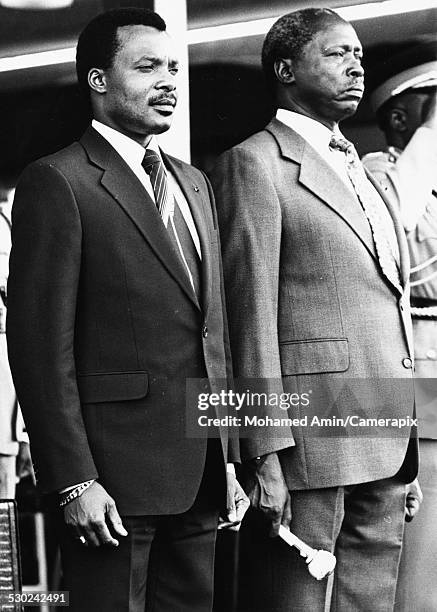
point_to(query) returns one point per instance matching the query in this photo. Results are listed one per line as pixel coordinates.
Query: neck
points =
(296, 107)
(396, 140)
(141, 139)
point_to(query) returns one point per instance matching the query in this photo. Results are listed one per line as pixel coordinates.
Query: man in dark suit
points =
(115, 301)
(316, 274)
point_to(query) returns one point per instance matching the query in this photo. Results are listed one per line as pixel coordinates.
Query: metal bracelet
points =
(74, 493)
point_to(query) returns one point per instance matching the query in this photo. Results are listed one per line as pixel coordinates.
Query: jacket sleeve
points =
(233, 441)
(250, 224)
(42, 292)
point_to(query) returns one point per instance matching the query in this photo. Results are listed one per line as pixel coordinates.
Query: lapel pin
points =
(196, 188)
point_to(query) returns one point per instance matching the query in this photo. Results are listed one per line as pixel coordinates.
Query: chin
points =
(163, 128)
(160, 127)
(348, 110)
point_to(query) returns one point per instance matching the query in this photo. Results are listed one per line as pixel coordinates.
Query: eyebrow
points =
(148, 58)
(346, 47)
(155, 60)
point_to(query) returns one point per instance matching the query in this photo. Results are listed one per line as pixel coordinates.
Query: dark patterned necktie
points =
(380, 221)
(172, 218)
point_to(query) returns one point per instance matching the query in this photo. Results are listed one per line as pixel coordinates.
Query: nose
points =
(166, 81)
(355, 69)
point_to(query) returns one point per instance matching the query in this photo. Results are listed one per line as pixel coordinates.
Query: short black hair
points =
(98, 42)
(290, 33)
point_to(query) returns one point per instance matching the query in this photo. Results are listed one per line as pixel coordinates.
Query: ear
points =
(398, 119)
(97, 80)
(284, 71)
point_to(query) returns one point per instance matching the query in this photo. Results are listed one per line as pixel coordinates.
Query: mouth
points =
(356, 91)
(164, 106)
(164, 103)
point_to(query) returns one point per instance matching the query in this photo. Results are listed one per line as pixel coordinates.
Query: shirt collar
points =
(130, 150)
(314, 132)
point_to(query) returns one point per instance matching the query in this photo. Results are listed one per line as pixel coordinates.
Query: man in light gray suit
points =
(316, 268)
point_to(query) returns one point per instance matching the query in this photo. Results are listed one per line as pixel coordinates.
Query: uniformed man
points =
(405, 101)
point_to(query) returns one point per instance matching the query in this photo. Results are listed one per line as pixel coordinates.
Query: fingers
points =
(287, 515)
(95, 532)
(413, 500)
(418, 491)
(411, 508)
(92, 515)
(89, 535)
(115, 520)
(276, 517)
(231, 510)
(238, 503)
(255, 495)
(279, 515)
(103, 535)
(238, 509)
(242, 503)
(228, 525)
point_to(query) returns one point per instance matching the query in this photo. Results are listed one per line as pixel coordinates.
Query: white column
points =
(177, 140)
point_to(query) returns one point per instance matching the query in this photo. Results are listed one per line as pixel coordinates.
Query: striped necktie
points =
(380, 221)
(172, 218)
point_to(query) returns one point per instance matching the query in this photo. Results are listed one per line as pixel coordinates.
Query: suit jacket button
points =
(431, 354)
(205, 331)
(407, 363)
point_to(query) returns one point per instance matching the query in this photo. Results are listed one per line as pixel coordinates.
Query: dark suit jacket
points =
(104, 327)
(311, 311)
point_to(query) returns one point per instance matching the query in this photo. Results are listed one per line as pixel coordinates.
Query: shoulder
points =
(249, 156)
(49, 183)
(63, 163)
(379, 161)
(256, 144)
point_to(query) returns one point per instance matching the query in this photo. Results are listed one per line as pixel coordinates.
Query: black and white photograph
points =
(218, 306)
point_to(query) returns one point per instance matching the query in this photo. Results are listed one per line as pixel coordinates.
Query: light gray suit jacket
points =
(310, 310)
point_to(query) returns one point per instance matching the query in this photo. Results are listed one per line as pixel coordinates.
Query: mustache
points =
(167, 98)
(357, 84)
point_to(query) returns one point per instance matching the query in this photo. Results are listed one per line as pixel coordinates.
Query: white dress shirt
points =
(133, 153)
(319, 137)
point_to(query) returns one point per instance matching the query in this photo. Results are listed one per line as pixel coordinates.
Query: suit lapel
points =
(196, 204)
(122, 184)
(317, 176)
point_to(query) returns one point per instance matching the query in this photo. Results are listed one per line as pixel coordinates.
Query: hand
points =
(24, 462)
(413, 500)
(89, 514)
(238, 503)
(270, 493)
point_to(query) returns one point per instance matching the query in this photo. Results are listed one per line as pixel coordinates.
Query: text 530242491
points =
(34, 598)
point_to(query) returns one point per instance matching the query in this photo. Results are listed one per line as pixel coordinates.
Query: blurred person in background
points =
(14, 442)
(404, 96)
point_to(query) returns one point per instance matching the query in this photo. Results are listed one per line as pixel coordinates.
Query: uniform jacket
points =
(408, 180)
